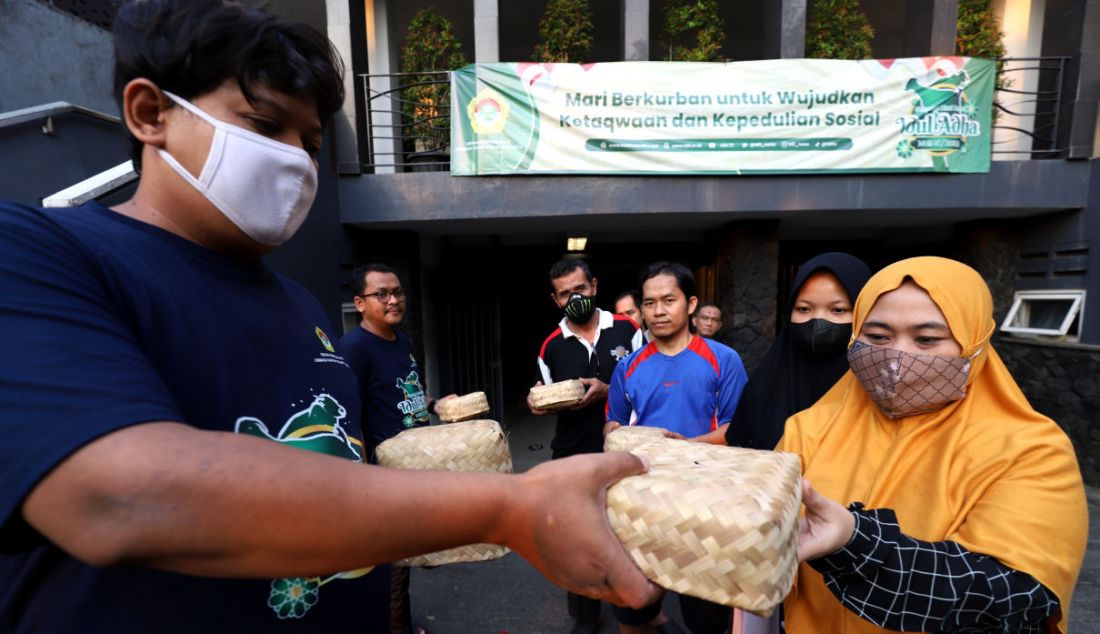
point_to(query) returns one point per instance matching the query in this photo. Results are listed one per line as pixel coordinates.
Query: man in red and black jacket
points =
(587, 345)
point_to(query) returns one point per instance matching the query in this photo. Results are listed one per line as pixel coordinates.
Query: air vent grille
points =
(1058, 261)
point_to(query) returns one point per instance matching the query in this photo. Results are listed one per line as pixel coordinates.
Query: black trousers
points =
(700, 617)
(400, 605)
(581, 608)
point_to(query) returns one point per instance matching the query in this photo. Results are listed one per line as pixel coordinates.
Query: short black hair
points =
(359, 276)
(685, 279)
(564, 267)
(707, 305)
(633, 294)
(190, 47)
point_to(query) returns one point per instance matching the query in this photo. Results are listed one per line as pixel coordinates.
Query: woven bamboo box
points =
(717, 523)
(460, 408)
(475, 445)
(628, 437)
(558, 395)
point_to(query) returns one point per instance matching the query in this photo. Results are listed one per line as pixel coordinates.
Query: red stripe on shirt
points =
(699, 346)
(542, 350)
(646, 353)
(626, 318)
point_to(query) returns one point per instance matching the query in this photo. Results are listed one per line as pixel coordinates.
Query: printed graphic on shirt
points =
(415, 405)
(317, 428)
(619, 352)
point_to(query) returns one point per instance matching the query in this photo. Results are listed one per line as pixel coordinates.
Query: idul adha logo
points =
(488, 112)
(942, 117)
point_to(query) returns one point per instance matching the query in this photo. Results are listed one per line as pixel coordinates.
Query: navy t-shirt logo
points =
(324, 339)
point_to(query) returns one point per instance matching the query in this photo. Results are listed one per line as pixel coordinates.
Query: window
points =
(350, 315)
(1053, 313)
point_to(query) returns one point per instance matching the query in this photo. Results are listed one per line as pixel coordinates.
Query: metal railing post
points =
(408, 121)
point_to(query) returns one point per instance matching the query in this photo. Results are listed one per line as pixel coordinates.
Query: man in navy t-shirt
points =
(181, 443)
(391, 386)
(391, 382)
(683, 383)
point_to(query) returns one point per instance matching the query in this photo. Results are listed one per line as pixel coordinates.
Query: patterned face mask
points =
(579, 309)
(903, 383)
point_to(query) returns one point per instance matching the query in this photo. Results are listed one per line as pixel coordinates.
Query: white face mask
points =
(261, 185)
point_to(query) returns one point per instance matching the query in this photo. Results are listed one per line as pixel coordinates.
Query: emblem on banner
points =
(942, 117)
(488, 112)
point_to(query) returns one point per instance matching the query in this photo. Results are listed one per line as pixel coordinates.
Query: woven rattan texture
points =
(628, 437)
(717, 523)
(476, 445)
(905, 383)
(460, 408)
(557, 395)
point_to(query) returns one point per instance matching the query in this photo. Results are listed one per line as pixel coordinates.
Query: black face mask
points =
(579, 309)
(821, 338)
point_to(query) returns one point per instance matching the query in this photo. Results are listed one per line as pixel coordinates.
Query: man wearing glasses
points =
(391, 386)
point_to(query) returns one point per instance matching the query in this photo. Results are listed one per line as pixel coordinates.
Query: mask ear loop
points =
(193, 109)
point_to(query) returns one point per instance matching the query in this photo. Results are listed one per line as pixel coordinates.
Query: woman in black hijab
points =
(809, 354)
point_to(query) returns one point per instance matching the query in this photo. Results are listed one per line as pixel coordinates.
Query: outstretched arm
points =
(169, 496)
(716, 436)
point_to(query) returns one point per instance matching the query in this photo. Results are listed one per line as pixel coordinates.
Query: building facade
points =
(475, 250)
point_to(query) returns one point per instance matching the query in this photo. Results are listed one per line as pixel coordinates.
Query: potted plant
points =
(565, 32)
(694, 31)
(430, 47)
(979, 35)
(838, 29)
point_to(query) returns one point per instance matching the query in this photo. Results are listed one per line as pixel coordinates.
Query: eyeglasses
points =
(384, 295)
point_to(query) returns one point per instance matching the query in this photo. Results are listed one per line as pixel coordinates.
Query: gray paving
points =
(508, 597)
(1084, 614)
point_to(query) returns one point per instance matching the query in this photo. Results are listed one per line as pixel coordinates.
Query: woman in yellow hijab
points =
(966, 509)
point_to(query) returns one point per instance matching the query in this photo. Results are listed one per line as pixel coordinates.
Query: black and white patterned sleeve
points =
(901, 583)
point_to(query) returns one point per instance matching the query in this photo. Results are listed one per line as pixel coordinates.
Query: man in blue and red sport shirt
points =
(683, 383)
(587, 345)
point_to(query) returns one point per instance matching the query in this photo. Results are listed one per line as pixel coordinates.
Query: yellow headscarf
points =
(987, 471)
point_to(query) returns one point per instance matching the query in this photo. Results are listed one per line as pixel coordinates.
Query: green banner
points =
(921, 114)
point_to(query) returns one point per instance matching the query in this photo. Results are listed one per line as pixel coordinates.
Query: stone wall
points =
(746, 273)
(992, 248)
(1062, 382)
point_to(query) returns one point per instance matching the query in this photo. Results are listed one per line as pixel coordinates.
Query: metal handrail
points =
(93, 187)
(1045, 105)
(46, 110)
(403, 127)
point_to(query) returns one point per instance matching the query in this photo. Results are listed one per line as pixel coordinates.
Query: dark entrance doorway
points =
(494, 309)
